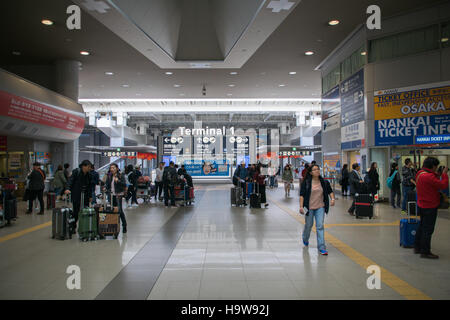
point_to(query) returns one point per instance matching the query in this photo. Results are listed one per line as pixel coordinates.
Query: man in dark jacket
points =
(36, 187)
(170, 179)
(95, 181)
(80, 183)
(241, 174)
(356, 181)
(408, 182)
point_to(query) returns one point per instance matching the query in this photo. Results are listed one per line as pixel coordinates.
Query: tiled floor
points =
(214, 251)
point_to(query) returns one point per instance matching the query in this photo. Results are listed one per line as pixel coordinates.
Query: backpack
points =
(390, 180)
(172, 177)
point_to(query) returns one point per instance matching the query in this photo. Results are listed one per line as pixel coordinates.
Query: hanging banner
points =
(331, 104)
(352, 99)
(404, 115)
(31, 111)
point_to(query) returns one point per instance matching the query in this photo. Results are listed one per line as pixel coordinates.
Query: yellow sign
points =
(420, 101)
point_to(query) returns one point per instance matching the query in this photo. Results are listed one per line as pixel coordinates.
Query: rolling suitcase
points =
(255, 198)
(88, 223)
(108, 220)
(249, 189)
(63, 223)
(10, 209)
(236, 195)
(51, 200)
(408, 229)
(364, 206)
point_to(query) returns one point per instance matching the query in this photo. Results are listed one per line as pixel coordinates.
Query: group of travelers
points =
(254, 174)
(169, 177)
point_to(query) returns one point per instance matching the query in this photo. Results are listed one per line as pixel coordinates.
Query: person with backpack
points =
(408, 183)
(356, 185)
(170, 180)
(373, 179)
(80, 184)
(132, 177)
(36, 186)
(159, 181)
(116, 187)
(315, 203)
(428, 201)
(393, 182)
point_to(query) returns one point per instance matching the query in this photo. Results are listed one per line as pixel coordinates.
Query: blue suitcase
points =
(408, 229)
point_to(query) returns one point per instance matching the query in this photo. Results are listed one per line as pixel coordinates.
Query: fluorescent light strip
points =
(200, 100)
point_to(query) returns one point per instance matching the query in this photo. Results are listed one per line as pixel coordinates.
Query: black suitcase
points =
(63, 223)
(10, 209)
(411, 199)
(364, 206)
(255, 197)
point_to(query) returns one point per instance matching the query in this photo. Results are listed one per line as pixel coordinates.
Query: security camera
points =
(204, 90)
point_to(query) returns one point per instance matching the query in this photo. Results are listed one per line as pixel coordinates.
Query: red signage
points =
(3, 143)
(30, 111)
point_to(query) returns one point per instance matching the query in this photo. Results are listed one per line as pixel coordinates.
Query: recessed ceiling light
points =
(233, 73)
(363, 53)
(229, 94)
(231, 85)
(47, 22)
(125, 85)
(444, 40)
(282, 85)
(169, 73)
(309, 53)
(182, 94)
(138, 94)
(84, 53)
(292, 72)
(16, 53)
(333, 22)
(177, 85)
(109, 73)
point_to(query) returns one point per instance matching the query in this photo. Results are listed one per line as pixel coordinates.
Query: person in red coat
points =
(428, 184)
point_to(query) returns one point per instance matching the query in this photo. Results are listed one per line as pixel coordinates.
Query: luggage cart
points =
(143, 192)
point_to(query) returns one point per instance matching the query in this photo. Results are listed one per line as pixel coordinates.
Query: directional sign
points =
(352, 99)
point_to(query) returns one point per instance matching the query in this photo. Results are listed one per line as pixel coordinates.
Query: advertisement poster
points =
(331, 104)
(206, 168)
(405, 114)
(352, 99)
(331, 164)
(353, 136)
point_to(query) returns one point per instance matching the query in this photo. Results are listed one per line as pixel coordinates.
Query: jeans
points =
(117, 202)
(40, 195)
(131, 194)
(272, 181)
(395, 192)
(422, 241)
(169, 189)
(319, 215)
(159, 189)
(406, 189)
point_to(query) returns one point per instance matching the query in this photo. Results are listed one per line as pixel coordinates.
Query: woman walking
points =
(396, 182)
(288, 178)
(116, 187)
(315, 203)
(374, 179)
(345, 176)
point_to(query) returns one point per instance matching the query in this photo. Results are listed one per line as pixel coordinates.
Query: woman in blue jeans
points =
(315, 203)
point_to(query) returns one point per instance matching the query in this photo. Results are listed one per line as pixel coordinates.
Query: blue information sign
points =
(443, 138)
(352, 99)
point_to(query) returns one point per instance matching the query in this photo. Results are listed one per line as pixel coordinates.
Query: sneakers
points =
(266, 205)
(305, 243)
(135, 205)
(323, 252)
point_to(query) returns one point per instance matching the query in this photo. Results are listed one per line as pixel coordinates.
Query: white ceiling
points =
(260, 77)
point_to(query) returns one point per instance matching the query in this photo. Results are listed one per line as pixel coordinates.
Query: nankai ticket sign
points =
(403, 114)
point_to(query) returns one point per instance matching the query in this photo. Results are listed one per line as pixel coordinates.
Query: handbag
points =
(443, 203)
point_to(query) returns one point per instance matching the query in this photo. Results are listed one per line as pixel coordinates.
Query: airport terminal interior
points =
(224, 150)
